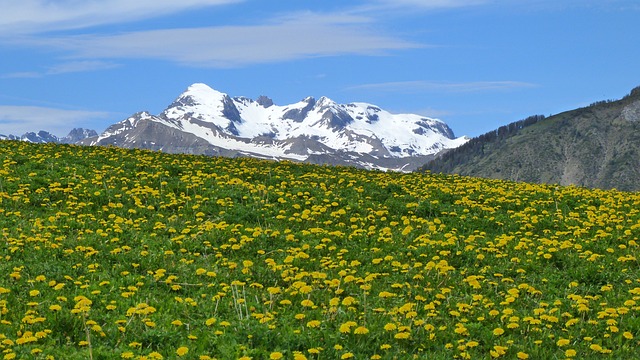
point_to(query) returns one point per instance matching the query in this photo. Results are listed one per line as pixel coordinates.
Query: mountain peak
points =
(204, 120)
(202, 93)
(265, 101)
(324, 101)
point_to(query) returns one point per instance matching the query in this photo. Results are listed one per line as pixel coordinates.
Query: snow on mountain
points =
(244, 127)
(42, 136)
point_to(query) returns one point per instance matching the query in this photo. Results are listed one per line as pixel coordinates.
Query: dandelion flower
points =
(570, 353)
(313, 324)
(182, 351)
(276, 355)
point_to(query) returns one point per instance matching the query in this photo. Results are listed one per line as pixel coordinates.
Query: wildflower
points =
(595, 347)
(345, 328)
(299, 356)
(313, 324)
(276, 355)
(498, 331)
(348, 301)
(361, 330)
(570, 353)
(182, 351)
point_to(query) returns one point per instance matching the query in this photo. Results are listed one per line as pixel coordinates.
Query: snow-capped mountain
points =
(205, 121)
(42, 136)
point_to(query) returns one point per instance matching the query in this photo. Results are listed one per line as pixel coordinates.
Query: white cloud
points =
(17, 120)
(21, 75)
(63, 68)
(433, 4)
(431, 86)
(80, 66)
(37, 16)
(293, 37)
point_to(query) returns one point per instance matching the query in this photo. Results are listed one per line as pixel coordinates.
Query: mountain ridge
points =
(596, 146)
(203, 120)
(42, 136)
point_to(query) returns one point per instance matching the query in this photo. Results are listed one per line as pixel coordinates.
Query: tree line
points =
(475, 147)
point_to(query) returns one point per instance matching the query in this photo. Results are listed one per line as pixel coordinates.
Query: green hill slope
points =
(596, 146)
(110, 253)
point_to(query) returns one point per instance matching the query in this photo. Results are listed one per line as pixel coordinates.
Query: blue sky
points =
(475, 64)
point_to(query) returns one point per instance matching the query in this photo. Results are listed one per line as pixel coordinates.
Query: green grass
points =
(112, 253)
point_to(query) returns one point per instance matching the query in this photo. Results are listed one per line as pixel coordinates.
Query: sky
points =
(474, 64)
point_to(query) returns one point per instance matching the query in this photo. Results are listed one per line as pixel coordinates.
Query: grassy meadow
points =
(127, 254)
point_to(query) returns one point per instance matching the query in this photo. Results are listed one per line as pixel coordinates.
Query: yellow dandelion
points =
(276, 355)
(307, 303)
(390, 327)
(182, 351)
(313, 324)
(299, 356)
(595, 347)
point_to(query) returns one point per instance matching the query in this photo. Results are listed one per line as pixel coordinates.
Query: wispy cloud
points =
(17, 120)
(432, 4)
(451, 87)
(382, 8)
(80, 66)
(303, 36)
(63, 68)
(21, 75)
(38, 16)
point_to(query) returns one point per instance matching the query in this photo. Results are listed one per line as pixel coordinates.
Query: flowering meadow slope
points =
(112, 253)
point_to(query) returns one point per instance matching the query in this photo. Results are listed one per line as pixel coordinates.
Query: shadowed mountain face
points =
(596, 146)
(205, 121)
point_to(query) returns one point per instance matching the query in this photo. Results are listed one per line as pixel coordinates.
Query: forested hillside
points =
(595, 146)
